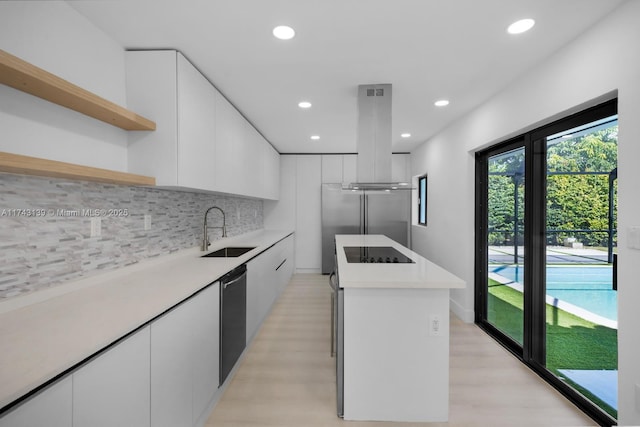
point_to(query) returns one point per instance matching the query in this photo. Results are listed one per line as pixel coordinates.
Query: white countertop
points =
(45, 333)
(421, 274)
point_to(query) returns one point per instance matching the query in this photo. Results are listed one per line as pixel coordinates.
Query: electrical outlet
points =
(147, 222)
(96, 226)
(435, 325)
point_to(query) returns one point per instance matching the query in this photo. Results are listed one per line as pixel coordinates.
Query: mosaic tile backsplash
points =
(45, 227)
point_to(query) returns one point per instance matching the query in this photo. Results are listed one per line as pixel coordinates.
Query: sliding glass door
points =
(581, 300)
(546, 253)
(505, 242)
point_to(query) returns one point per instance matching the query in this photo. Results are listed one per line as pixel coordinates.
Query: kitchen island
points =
(393, 334)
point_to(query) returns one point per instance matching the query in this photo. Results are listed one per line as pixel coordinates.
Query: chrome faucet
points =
(205, 238)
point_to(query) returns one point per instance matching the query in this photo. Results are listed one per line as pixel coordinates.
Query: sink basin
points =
(229, 252)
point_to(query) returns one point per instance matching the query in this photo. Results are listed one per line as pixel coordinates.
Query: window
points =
(422, 200)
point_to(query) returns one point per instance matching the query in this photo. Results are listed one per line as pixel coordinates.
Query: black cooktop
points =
(375, 254)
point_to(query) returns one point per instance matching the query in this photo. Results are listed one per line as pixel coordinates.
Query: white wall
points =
(592, 68)
(53, 36)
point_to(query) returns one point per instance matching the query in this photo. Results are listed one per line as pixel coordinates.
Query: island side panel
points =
(396, 367)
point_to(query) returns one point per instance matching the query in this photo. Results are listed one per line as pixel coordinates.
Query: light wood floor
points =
(287, 376)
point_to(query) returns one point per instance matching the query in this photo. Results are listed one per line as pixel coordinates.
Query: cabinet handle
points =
(233, 281)
(278, 267)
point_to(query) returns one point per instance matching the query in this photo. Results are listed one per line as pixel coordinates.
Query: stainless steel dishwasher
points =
(233, 318)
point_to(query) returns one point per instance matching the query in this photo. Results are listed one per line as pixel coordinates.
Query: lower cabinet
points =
(52, 407)
(165, 374)
(285, 268)
(113, 389)
(185, 360)
(267, 276)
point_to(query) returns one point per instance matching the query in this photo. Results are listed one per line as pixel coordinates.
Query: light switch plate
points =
(435, 325)
(633, 237)
(147, 222)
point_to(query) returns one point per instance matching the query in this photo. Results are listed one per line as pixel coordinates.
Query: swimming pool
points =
(588, 287)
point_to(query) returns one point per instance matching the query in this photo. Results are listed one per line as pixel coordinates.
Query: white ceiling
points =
(427, 49)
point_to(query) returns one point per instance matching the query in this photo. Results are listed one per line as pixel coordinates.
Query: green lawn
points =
(572, 342)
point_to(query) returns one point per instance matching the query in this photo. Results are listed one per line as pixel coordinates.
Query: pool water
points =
(587, 287)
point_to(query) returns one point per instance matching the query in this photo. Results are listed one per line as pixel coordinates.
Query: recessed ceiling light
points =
(304, 104)
(441, 103)
(521, 26)
(405, 135)
(283, 32)
(315, 137)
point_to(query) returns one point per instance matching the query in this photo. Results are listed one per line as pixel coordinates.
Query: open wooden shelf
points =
(15, 163)
(28, 78)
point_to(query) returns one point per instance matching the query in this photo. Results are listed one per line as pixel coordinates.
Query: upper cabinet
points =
(201, 141)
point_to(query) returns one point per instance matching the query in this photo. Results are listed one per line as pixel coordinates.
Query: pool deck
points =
(555, 255)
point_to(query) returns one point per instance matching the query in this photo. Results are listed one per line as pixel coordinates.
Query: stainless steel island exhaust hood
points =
(374, 140)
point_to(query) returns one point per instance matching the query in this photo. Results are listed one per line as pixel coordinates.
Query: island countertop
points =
(422, 274)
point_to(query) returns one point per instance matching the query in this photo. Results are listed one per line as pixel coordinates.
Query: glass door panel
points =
(505, 241)
(581, 303)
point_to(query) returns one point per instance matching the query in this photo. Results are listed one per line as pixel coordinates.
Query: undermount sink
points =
(229, 252)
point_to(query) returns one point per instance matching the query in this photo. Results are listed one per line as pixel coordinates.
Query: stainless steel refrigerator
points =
(364, 209)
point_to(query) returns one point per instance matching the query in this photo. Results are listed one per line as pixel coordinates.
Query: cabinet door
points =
(253, 164)
(196, 128)
(52, 408)
(171, 382)
(309, 210)
(331, 168)
(185, 360)
(152, 91)
(271, 173)
(256, 269)
(281, 215)
(113, 389)
(229, 147)
(349, 168)
(206, 348)
(286, 264)
(400, 168)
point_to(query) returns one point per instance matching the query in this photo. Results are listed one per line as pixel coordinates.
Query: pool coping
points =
(563, 305)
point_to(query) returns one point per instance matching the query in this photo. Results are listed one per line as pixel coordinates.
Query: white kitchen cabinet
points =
(332, 168)
(253, 161)
(260, 285)
(184, 360)
(400, 168)
(196, 128)
(51, 407)
(281, 215)
(309, 212)
(181, 152)
(206, 349)
(201, 142)
(229, 147)
(286, 263)
(349, 168)
(267, 276)
(271, 173)
(113, 389)
(171, 383)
